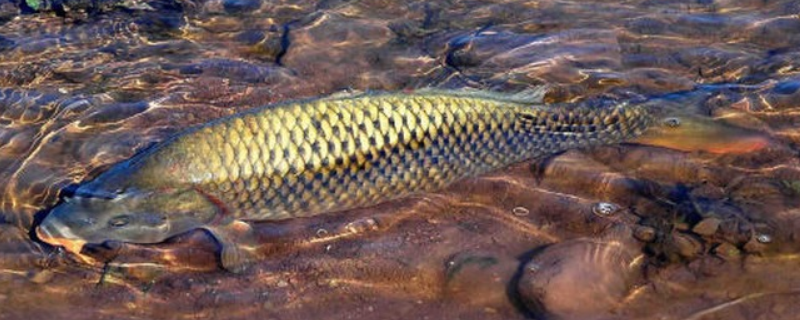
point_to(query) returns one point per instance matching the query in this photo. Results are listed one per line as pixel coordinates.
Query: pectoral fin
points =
(237, 245)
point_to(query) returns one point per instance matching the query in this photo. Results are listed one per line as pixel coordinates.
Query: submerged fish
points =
(304, 158)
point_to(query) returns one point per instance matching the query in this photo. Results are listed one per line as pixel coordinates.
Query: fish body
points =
(309, 157)
(327, 155)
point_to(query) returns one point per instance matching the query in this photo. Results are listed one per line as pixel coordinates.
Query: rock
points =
(42, 277)
(727, 251)
(757, 244)
(707, 226)
(686, 245)
(682, 226)
(6, 43)
(473, 271)
(241, 6)
(8, 10)
(644, 233)
(581, 278)
(317, 46)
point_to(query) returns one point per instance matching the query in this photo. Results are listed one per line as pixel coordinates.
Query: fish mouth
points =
(56, 233)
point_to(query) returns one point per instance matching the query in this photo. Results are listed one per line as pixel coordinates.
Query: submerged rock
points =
(582, 278)
(707, 226)
(645, 233)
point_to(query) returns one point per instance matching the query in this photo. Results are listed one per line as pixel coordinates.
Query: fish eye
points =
(119, 221)
(672, 122)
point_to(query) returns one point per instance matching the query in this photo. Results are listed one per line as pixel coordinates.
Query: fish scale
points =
(305, 158)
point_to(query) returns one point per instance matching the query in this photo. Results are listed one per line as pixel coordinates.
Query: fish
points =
(309, 157)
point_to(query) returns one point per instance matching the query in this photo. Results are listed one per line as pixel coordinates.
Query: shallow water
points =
(689, 234)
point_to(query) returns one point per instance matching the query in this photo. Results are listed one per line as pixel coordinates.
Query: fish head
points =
(132, 216)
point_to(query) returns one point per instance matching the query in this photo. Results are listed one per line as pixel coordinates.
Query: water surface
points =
(690, 234)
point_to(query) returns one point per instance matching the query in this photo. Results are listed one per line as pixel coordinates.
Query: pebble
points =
(42, 277)
(764, 238)
(643, 233)
(362, 225)
(686, 245)
(605, 209)
(520, 211)
(754, 245)
(727, 251)
(707, 226)
(282, 283)
(682, 226)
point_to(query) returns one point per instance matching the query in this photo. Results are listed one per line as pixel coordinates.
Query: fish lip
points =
(57, 234)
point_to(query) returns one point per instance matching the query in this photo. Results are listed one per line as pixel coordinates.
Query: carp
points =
(303, 158)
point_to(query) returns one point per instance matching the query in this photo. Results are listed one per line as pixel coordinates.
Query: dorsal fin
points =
(528, 96)
(348, 93)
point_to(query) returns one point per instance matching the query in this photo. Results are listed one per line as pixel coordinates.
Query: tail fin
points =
(687, 132)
